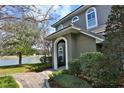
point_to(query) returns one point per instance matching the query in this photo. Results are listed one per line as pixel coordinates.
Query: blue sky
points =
(11, 11)
(59, 11)
(62, 10)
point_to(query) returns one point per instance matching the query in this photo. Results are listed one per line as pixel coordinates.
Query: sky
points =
(63, 10)
(59, 11)
(11, 11)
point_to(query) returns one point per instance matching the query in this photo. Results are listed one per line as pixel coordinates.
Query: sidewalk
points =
(32, 79)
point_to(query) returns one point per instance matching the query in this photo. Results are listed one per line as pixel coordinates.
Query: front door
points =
(61, 53)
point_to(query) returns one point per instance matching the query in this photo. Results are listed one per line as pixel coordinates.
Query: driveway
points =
(32, 79)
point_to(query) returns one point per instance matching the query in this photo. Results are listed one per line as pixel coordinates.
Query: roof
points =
(73, 29)
(76, 11)
(60, 30)
(93, 35)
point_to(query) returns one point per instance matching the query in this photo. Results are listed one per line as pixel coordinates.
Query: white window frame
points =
(60, 27)
(73, 21)
(86, 14)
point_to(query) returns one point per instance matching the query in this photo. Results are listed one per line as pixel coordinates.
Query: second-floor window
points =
(60, 27)
(91, 18)
(74, 19)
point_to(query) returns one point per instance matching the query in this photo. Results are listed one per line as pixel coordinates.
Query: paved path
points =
(32, 79)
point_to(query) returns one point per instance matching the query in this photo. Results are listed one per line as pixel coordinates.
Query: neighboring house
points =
(80, 31)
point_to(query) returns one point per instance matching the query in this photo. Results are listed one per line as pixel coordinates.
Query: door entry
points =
(61, 53)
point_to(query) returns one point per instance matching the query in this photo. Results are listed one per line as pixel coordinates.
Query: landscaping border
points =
(20, 85)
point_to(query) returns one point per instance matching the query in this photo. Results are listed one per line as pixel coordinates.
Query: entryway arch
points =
(56, 50)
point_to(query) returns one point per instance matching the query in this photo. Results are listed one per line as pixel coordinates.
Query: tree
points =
(27, 12)
(113, 46)
(20, 37)
(42, 43)
(17, 26)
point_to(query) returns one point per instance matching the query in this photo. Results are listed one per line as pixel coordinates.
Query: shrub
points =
(45, 59)
(8, 82)
(108, 73)
(40, 67)
(90, 65)
(59, 72)
(113, 45)
(89, 61)
(69, 81)
(98, 69)
(74, 67)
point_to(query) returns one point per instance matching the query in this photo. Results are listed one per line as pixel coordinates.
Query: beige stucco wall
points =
(82, 44)
(77, 44)
(102, 14)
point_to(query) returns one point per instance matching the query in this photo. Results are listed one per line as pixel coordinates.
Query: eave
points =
(75, 30)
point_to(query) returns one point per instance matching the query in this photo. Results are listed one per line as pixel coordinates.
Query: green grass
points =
(69, 81)
(37, 67)
(15, 69)
(8, 82)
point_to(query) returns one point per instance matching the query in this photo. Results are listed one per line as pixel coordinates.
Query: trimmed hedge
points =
(90, 65)
(90, 61)
(40, 67)
(74, 67)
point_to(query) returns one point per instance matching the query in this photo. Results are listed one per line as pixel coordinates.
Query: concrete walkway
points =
(32, 79)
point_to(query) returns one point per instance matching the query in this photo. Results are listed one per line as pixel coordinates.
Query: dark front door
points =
(61, 53)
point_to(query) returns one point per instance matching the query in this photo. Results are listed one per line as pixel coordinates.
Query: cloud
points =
(59, 11)
(9, 10)
(62, 10)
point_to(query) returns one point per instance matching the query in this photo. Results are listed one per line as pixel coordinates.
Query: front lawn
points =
(13, 69)
(8, 82)
(5, 70)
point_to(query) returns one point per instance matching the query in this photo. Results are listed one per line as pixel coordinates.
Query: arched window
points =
(91, 18)
(75, 19)
(60, 27)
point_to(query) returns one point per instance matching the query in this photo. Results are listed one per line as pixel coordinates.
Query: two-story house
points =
(80, 31)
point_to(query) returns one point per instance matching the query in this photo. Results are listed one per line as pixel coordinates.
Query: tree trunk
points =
(45, 58)
(48, 53)
(20, 58)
